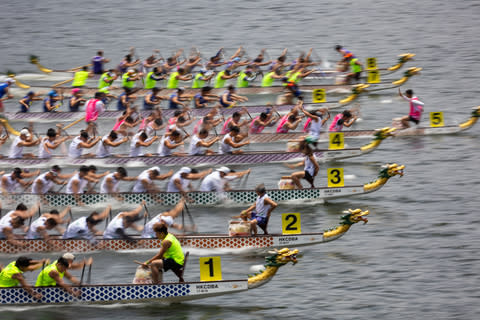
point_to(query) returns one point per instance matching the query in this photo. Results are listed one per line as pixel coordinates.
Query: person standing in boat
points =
(116, 229)
(98, 61)
(259, 213)
(310, 165)
(111, 181)
(12, 274)
(145, 179)
(232, 140)
(416, 108)
(170, 256)
(346, 118)
(84, 227)
(342, 63)
(93, 109)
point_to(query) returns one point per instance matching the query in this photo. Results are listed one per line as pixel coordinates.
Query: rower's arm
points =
(25, 285)
(165, 246)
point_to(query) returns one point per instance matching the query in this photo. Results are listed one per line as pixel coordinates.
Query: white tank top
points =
(78, 229)
(163, 150)
(116, 223)
(103, 186)
(16, 152)
(73, 151)
(12, 184)
(47, 184)
(148, 229)
(194, 149)
(103, 150)
(309, 166)
(315, 128)
(32, 231)
(134, 150)
(260, 208)
(138, 187)
(6, 222)
(225, 148)
(41, 149)
(171, 183)
(81, 185)
(212, 182)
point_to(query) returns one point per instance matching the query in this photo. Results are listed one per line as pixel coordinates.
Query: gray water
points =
(418, 255)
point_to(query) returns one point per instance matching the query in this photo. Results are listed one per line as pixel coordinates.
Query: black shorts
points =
(308, 177)
(170, 264)
(413, 120)
(357, 75)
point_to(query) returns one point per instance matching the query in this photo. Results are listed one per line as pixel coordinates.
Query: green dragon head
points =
(281, 257)
(354, 216)
(33, 59)
(383, 133)
(476, 112)
(405, 57)
(359, 88)
(391, 170)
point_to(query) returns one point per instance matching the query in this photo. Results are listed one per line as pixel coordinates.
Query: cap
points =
(25, 132)
(203, 70)
(10, 80)
(68, 256)
(75, 90)
(167, 219)
(236, 59)
(131, 71)
(224, 170)
(348, 55)
(181, 88)
(53, 93)
(30, 93)
(185, 170)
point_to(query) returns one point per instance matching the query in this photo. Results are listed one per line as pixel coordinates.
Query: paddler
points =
(112, 140)
(4, 95)
(170, 142)
(127, 63)
(153, 76)
(106, 81)
(11, 181)
(198, 144)
(245, 77)
(145, 179)
(356, 68)
(201, 77)
(51, 142)
(27, 101)
(179, 98)
(98, 61)
(126, 99)
(50, 103)
(217, 181)
(269, 79)
(15, 219)
(80, 142)
(80, 77)
(139, 142)
(84, 227)
(235, 121)
(258, 214)
(110, 184)
(222, 77)
(152, 99)
(346, 118)
(170, 256)
(44, 182)
(229, 99)
(180, 75)
(204, 97)
(231, 141)
(310, 164)
(25, 139)
(12, 274)
(116, 229)
(265, 119)
(52, 275)
(39, 228)
(166, 219)
(315, 123)
(129, 78)
(416, 108)
(180, 181)
(76, 100)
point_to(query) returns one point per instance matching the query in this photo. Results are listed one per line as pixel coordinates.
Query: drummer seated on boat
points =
(112, 180)
(12, 274)
(166, 219)
(116, 229)
(13, 220)
(108, 142)
(258, 213)
(84, 227)
(51, 142)
(310, 164)
(10, 182)
(43, 183)
(139, 142)
(145, 179)
(25, 139)
(53, 219)
(170, 256)
(199, 145)
(217, 181)
(75, 150)
(416, 108)
(180, 181)
(231, 140)
(170, 142)
(52, 275)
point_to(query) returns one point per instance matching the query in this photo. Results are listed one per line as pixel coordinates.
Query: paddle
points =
(61, 82)
(73, 123)
(89, 274)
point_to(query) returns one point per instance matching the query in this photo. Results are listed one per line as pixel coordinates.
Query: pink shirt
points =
(333, 126)
(93, 109)
(256, 128)
(280, 128)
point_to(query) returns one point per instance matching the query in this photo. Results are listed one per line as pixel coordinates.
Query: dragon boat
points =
(199, 198)
(199, 241)
(252, 157)
(165, 292)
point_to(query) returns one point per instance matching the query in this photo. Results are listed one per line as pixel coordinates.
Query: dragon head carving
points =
(412, 71)
(391, 170)
(354, 216)
(383, 133)
(359, 88)
(281, 257)
(476, 112)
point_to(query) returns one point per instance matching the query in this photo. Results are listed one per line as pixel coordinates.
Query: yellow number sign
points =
(336, 141)
(210, 269)
(335, 177)
(371, 63)
(373, 76)
(319, 96)
(436, 119)
(291, 223)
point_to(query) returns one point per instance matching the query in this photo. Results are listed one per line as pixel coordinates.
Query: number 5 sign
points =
(210, 269)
